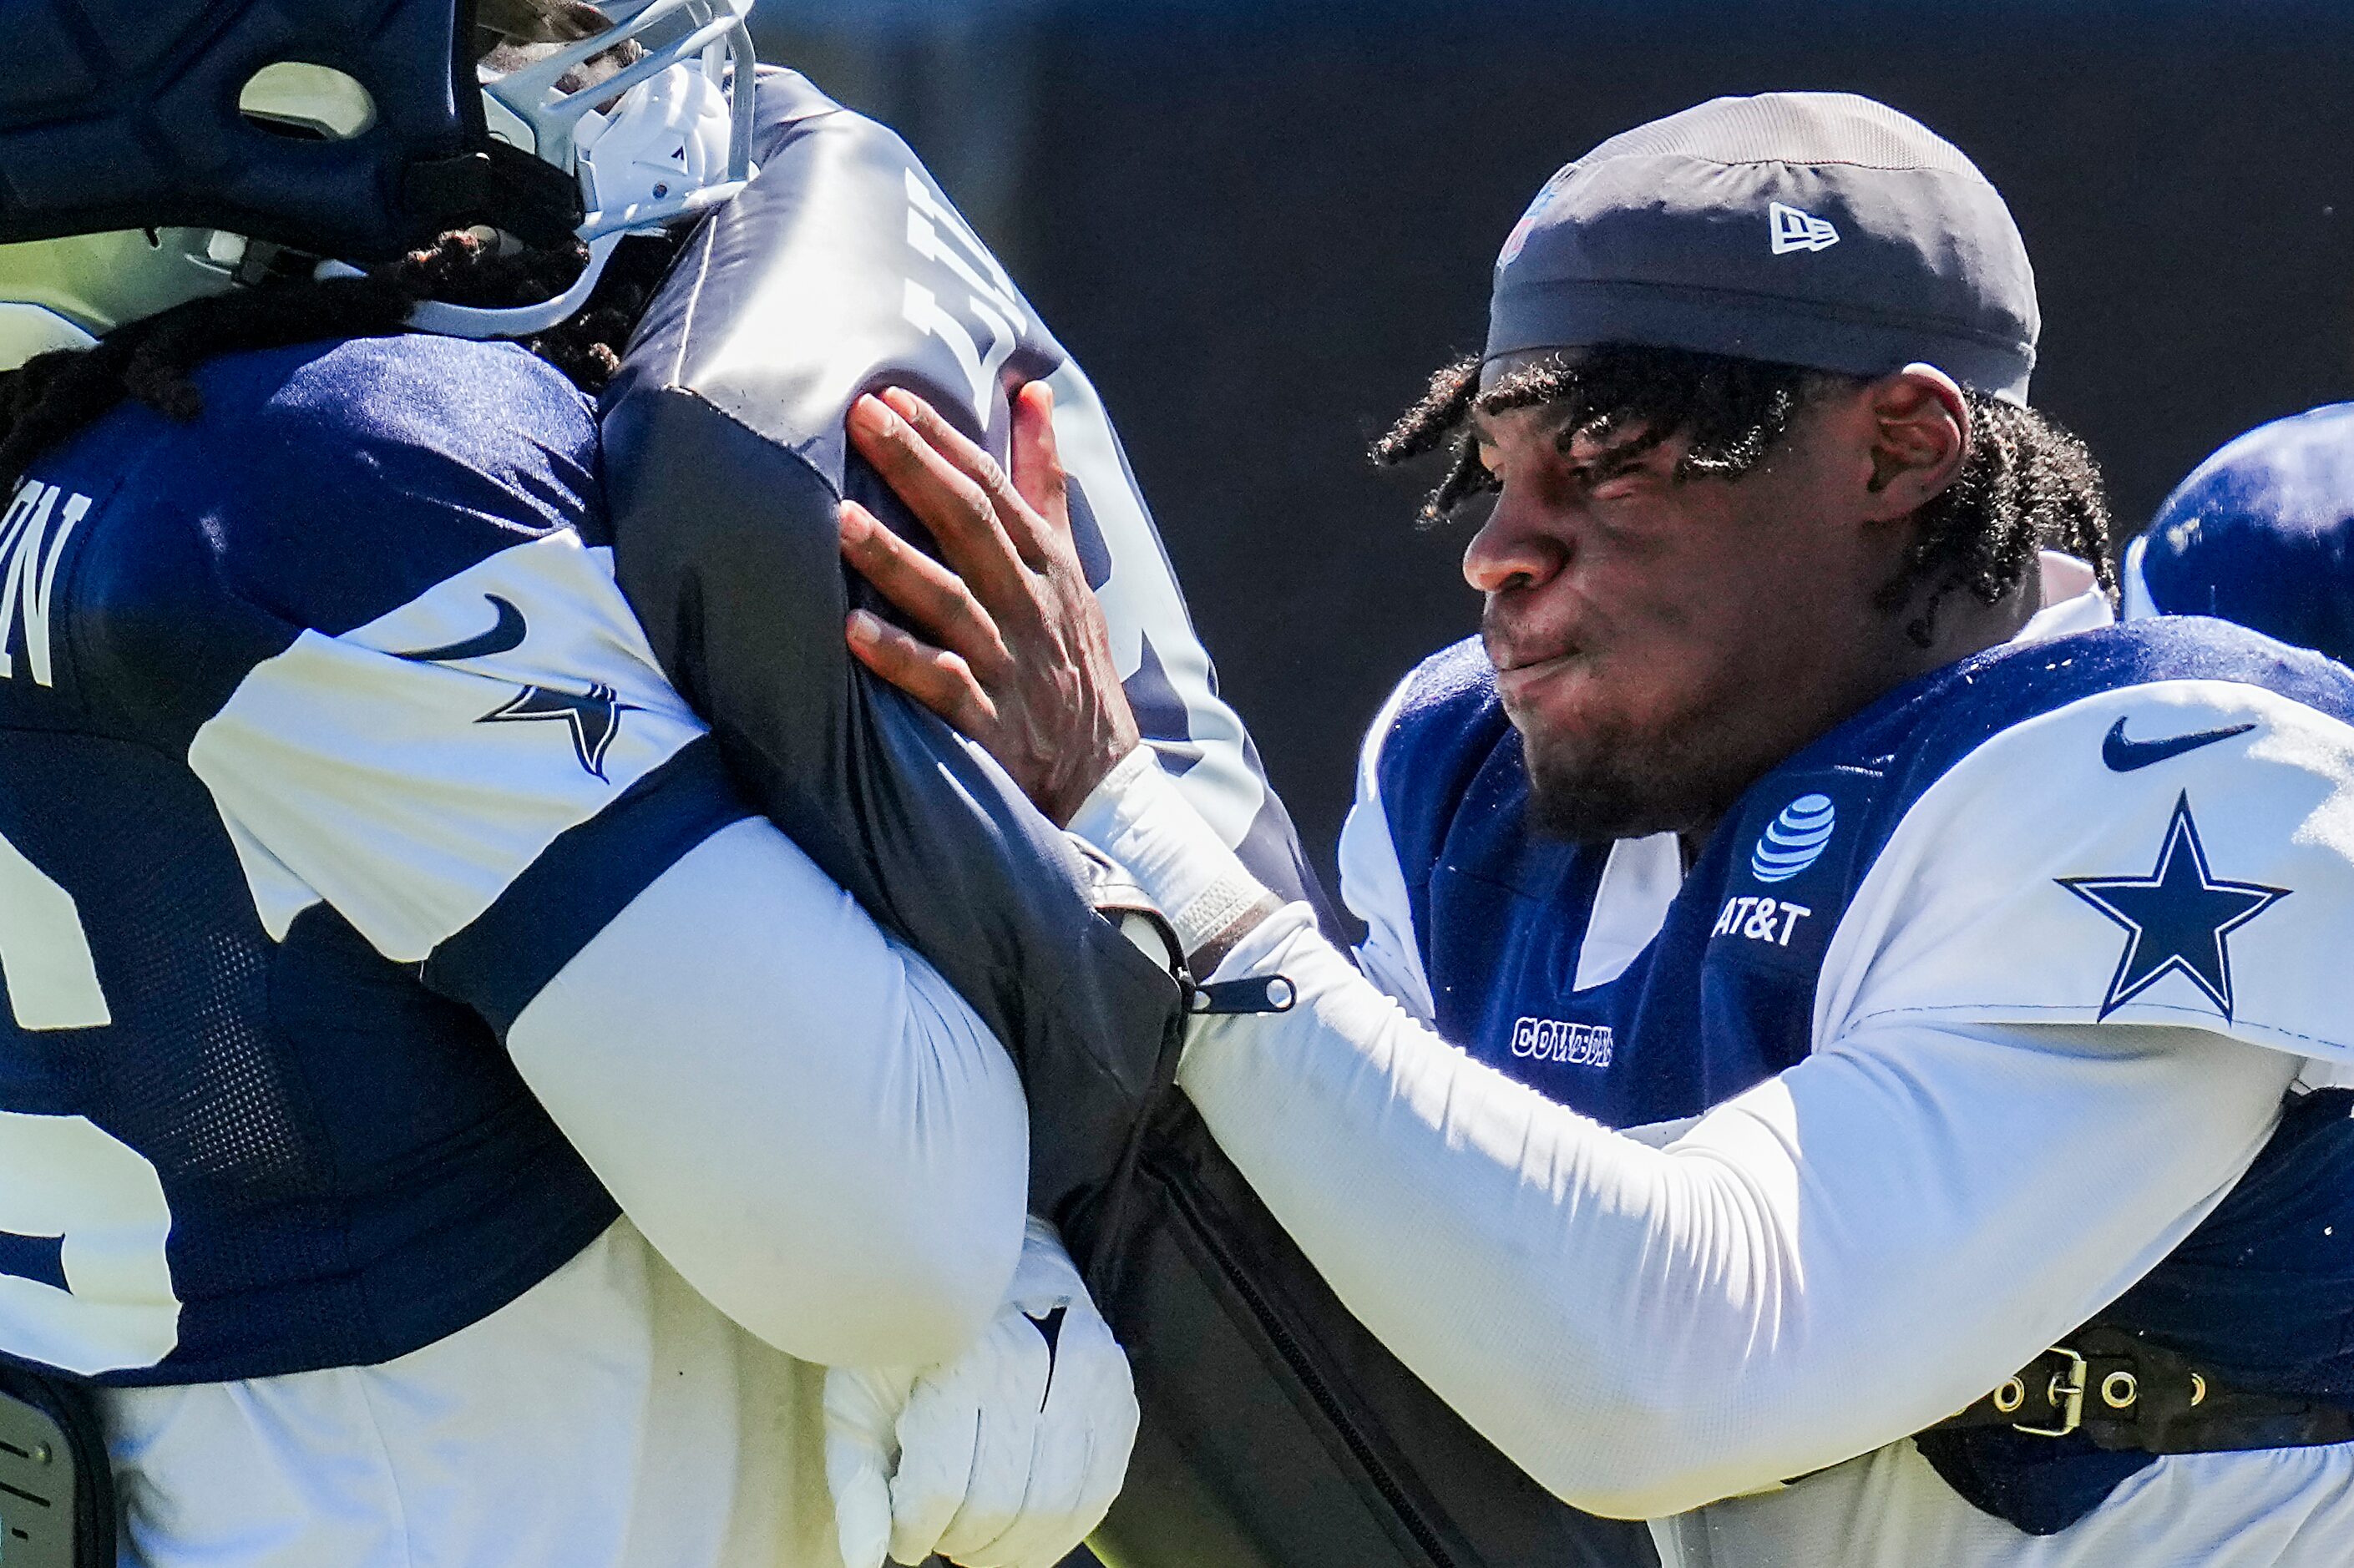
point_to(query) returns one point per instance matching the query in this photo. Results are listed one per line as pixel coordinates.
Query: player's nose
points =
(1513, 549)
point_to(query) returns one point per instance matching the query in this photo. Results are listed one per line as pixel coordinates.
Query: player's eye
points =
(1613, 478)
(1609, 469)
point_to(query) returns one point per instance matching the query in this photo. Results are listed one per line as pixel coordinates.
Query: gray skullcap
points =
(1814, 228)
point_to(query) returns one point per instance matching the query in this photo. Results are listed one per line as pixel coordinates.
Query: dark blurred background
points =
(1261, 227)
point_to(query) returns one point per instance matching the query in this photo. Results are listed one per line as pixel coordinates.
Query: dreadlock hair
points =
(2025, 484)
(153, 360)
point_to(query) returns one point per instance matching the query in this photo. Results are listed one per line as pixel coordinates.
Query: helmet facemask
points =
(649, 103)
(553, 98)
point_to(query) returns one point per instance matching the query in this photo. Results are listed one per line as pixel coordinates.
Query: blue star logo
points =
(594, 719)
(2176, 918)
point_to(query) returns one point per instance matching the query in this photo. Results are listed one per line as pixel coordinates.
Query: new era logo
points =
(1795, 230)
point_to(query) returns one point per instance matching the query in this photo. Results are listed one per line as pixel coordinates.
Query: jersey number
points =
(84, 1282)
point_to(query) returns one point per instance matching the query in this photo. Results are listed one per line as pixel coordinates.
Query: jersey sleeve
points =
(462, 742)
(477, 781)
(2176, 854)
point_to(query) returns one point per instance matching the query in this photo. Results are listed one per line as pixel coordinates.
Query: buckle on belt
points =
(2065, 1395)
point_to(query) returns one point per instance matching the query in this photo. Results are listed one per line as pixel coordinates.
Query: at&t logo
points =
(1795, 839)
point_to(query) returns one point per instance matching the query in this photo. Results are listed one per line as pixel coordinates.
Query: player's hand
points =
(1004, 1458)
(1013, 650)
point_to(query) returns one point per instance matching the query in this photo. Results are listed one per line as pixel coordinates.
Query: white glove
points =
(1004, 1458)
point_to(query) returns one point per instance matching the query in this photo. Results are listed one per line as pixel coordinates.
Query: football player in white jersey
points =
(442, 1121)
(1954, 962)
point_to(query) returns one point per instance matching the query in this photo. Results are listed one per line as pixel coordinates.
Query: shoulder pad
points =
(2169, 850)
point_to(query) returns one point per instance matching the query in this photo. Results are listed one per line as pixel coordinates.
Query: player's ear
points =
(1918, 425)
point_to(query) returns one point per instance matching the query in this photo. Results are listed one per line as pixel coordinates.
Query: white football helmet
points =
(672, 136)
(663, 137)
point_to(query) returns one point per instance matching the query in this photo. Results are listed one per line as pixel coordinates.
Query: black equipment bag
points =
(1277, 1432)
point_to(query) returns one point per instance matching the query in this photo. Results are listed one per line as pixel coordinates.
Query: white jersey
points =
(2004, 1102)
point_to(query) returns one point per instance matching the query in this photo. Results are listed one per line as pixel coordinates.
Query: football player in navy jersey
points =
(1832, 1068)
(443, 1122)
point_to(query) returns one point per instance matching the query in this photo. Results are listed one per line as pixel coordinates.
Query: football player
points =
(442, 1122)
(1947, 955)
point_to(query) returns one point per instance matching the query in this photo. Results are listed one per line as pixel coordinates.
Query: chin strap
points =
(482, 322)
(675, 145)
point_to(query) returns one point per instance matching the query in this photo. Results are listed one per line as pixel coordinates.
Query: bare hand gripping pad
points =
(1276, 1432)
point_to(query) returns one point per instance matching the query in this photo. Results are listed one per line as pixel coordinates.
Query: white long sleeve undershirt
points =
(800, 1114)
(1821, 1265)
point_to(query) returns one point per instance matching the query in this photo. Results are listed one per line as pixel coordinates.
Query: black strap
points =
(530, 198)
(1260, 993)
(2124, 1392)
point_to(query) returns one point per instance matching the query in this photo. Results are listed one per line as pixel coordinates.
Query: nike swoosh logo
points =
(2123, 756)
(504, 637)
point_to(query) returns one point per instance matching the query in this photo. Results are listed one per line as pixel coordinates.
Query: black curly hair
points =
(2025, 484)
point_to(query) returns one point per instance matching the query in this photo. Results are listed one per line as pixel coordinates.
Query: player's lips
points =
(1519, 673)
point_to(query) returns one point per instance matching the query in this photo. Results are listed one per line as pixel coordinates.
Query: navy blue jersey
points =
(2075, 830)
(327, 740)
(1503, 923)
